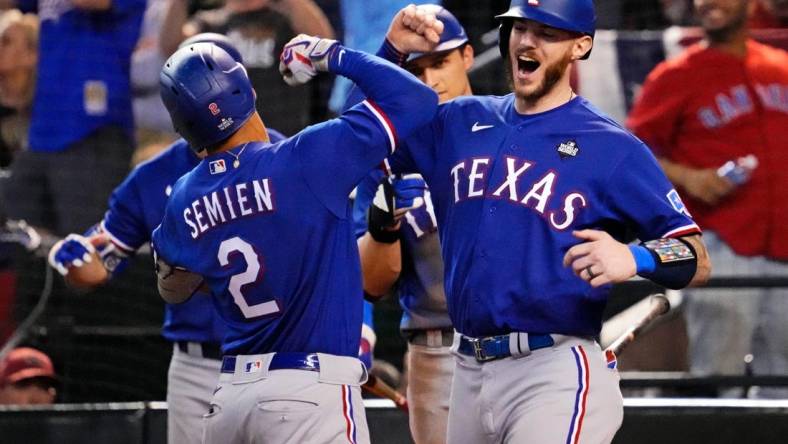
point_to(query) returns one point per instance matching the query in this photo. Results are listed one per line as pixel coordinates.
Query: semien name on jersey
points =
(232, 202)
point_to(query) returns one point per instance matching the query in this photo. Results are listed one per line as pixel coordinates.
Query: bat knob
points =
(661, 300)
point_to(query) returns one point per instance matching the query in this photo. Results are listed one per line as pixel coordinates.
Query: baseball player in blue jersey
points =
(267, 228)
(533, 193)
(405, 248)
(195, 329)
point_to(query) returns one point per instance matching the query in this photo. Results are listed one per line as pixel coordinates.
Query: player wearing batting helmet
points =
(194, 328)
(533, 193)
(266, 228)
(399, 244)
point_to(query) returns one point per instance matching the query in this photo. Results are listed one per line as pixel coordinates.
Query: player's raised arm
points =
(402, 103)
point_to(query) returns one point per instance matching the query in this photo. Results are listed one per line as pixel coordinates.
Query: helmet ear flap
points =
(504, 34)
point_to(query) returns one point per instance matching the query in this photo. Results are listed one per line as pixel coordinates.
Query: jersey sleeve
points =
(336, 154)
(123, 221)
(655, 116)
(164, 239)
(417, 153)
(641, 193)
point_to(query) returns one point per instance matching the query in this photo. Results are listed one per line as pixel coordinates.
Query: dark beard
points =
(553, 74)
(727, 32)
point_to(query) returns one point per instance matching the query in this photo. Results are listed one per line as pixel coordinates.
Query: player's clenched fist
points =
(303, 56)
(415, 29)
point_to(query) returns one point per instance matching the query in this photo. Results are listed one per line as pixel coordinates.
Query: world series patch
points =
(670, 250)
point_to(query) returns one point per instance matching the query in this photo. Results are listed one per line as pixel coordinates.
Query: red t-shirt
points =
(706, 107)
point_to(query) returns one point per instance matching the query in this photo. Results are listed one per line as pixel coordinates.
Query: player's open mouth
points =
(527, 65)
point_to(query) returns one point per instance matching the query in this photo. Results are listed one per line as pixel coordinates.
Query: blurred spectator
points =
(81, 125)
(150, 117)
(27, 377)
(366, 24)
(726, 99)
(655, 14)
(18, 58)
(259, 29)
(769, 14)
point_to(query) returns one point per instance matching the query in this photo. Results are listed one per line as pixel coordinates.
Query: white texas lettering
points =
(537, 198)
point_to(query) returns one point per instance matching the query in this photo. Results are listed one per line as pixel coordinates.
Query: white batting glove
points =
(73, 251)
(303, 56)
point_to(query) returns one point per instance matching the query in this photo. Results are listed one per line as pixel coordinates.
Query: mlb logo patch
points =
(254, 366)
(612, 361)
(217, 166)
(676, 202)
(533, 2)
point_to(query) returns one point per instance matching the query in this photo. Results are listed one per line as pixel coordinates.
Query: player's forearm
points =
(172, 27)
(306, 17)
(407, 102)
(381, 264)
(704, 263)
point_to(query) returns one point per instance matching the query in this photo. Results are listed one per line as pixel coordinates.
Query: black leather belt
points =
(490, 348)
(280, 361)
(209, 350)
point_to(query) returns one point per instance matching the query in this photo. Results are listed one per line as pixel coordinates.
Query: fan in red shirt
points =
(717, 118)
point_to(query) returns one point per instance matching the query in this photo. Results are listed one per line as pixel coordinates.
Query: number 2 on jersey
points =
(250, 275)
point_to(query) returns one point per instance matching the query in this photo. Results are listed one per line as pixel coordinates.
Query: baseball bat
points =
(378, 387)
(659, 306)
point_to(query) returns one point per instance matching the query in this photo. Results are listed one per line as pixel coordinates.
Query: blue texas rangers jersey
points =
(420, 284)
(273, 238)
(136, 208)
(508, 190)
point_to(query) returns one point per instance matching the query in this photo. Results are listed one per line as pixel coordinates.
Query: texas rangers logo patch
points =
(676, 202)
(568, 149)
(217, 166)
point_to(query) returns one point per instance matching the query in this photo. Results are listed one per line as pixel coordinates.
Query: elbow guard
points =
(670, 263)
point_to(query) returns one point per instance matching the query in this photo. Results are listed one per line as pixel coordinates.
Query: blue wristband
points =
(644, 260)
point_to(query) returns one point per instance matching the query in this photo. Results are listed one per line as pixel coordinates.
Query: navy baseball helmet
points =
(207, 93)
(217, 39)
(453, 35)
(570, 15)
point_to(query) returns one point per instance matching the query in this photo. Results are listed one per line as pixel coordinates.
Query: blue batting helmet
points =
(453, 35)
(570, 15)
(207, 93)
(217, 39)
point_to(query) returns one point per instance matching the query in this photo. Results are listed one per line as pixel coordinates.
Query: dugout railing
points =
(646, 421)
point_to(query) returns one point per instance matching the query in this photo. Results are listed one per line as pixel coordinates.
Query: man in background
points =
(27, 377)
(717, 118)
